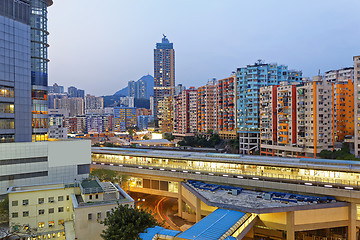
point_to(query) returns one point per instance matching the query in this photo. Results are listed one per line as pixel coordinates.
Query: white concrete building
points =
(23, 164)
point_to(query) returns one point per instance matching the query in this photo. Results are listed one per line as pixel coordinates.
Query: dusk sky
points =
(100, 45)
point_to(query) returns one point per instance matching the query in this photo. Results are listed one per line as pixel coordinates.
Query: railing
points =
(292, 175)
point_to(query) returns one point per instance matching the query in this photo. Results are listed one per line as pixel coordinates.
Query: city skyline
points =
(212, 40)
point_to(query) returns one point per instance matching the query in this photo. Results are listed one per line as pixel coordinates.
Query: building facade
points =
(340, 75)
(344, 110)
(30, 163)
(92, 103)
(226, 108)
(165, 113)
(357, 104)
(207, 107)
(298, 120)
(64, 211)
(164, 72)
(15, 76)
(185, 112)
(124, 117)
(249, 81)
(39, 68)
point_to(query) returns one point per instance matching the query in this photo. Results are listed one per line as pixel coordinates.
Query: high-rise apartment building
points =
(249, 81)
(315, 116)
(55, 88)
(357, 104)
(297, 120)
(142, 88)
(340, 75)
(278, 118)
(75, 92)
(185, 112)
(164, 72)
(226, 108)
(165, 114)
(124, 117)
(92, 102)
(75, 106)
(207, 107)
(344, 109)
(15, 76)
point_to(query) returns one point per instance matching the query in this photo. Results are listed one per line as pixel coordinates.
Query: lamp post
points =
(139, 200)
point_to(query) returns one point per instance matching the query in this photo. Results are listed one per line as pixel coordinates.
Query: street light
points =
(139, 200)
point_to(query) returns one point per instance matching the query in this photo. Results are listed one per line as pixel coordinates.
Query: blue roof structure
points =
(151, 232)
(230, 238)
(213, 226)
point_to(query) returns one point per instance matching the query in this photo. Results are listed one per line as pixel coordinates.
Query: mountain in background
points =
(113, 100)
(123, 92)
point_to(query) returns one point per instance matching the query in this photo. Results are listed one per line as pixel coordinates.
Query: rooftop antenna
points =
(319, 72)
(164, 35)
(259, 61)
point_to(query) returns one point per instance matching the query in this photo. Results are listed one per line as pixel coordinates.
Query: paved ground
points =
(164, 209)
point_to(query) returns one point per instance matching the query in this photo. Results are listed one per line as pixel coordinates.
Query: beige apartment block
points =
(357, 104)
(185, 112)
(297, 120)
(64, 211)
(315, 117)
(268, 115)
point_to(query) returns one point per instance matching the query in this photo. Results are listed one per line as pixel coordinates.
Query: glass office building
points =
(39, 68)
(15, 66)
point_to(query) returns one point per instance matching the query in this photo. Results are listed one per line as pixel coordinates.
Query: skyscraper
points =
(164, 72)
(15, 70)
(39, 68)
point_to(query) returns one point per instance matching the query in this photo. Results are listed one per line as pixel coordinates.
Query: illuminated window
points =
(41, 224)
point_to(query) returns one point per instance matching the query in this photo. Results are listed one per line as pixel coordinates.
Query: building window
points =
(51, 224)
(14, 215)
(51, 210)
(61, 222)
(90, 216)
(14, 203)
(41, 200)
(26, 214)
(60, 198)
(41, 224)
(41, 212)
(99, 215)
(67, 197)
(90, 196)
(108, 213)
(97, 196)
(51, 199)
(67, 209)
(25, 202)
(60, 209)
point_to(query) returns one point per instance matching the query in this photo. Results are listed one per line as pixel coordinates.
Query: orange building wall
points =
(344, 112)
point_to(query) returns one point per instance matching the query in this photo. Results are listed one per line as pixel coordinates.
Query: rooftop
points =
(214, 226)
(236, 198)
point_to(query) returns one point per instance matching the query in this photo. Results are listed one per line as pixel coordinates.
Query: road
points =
(163, 208)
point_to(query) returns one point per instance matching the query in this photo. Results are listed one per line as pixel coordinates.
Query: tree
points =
(4, 210)
(126, 223)
(109, 175)
(169, 136)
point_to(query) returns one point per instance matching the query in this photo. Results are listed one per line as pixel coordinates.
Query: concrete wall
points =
(34, 206)
(90, 229)
(61, 165)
